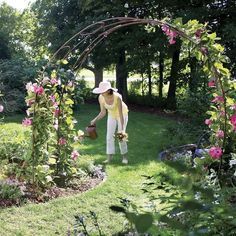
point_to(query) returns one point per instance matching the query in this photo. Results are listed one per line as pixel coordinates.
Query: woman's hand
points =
(93, 122)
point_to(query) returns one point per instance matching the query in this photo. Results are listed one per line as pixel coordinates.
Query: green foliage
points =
(10, 191)
(13, 77)
(53, 134)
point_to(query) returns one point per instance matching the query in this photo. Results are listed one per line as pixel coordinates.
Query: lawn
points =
(56, 217)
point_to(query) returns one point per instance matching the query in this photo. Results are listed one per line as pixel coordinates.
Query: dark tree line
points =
(131, 50)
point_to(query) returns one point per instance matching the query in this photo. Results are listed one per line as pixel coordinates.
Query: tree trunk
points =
(171, 97)
(98, 74)
(161, 78)
(121, 75)
(149, 80)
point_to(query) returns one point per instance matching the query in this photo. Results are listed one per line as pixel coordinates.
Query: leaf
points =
(143, 222)
(69, 102)
(52, 161)
(64, 61)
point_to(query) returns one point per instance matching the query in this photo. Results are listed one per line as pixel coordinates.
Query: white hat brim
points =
(99, 90)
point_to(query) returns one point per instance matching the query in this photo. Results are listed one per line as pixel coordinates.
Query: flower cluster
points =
(170, 34)
(122, 136)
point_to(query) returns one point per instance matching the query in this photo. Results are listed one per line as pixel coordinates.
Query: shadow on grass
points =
(145, 131)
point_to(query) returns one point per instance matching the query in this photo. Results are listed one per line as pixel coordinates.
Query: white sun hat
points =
(103, 87)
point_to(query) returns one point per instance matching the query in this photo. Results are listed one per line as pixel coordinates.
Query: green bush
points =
(10, 191)
(146, 100)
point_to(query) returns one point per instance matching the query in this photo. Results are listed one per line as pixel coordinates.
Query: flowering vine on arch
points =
(50, 98)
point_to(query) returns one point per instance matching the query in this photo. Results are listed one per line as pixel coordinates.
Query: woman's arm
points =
(102, 112)
(121, 113)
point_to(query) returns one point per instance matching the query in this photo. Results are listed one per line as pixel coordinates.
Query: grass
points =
(55, 217)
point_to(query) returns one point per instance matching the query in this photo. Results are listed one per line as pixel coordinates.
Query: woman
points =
(110, 100)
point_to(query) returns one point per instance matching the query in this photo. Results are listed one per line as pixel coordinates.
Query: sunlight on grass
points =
(57, 216)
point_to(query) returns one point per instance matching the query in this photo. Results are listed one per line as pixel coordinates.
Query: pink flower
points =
(233, 107)
(233, 120)
(53, 81)
(27, 122)
(172, 41)
(165, 28)
(1, 108)
(74, 155)
(62, 141)
(218, 99)
(198, 33)
(169, 33)
(38, 89)
(220, 134)
(57, 112)
(208, 122)
(204, 50)
(222, 113)
(29, 102)
(215, 152)
(212, 84)
(30, 87)
(52, 98)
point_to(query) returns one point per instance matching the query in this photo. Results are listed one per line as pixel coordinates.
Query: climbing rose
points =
(1, 108)
(56, 112)
(27, 122)
(233, 107)
(74, 155)
(62, 141)
(215, 152)
(198, 33)
(54, 81)
(220, 134)
(218, 99)
(211, 84)
(208, 121)
(233, 120)
(38, 89)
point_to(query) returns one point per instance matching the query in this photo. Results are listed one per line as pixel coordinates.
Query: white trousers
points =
(112, 125)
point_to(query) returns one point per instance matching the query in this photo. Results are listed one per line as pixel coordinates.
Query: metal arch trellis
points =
(100, 30)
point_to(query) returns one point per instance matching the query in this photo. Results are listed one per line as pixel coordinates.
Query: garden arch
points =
(193, 34)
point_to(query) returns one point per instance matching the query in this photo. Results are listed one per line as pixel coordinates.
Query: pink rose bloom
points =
(233, 120)
(30, 87)
(38, 89)
(52, 98)
(204, 50)
(212, 84)
(198, 33)
(220, 134)
(208, 121)
(165, 28)
(62, 141)
(56, 112)
(172, 41)
(172, 34)
(27, 122)
(233, 107)
(218, 99)
(215, 152)
(1, 108)
(74, 155)
(30, 102)
(53, 81)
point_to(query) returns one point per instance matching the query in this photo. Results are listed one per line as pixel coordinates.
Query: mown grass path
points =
(146, 139)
